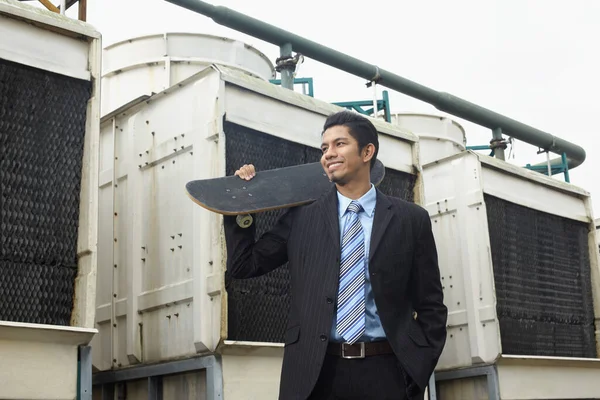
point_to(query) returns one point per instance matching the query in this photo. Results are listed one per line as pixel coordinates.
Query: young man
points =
(367, 319)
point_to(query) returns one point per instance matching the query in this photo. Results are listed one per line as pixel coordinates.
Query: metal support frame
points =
(64, 6)
(489, 371)
(554, 169)
(383, 104)
(155, 373)
(84, 373)
(307, 85)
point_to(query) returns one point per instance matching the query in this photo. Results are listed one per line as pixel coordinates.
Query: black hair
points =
(360, 127)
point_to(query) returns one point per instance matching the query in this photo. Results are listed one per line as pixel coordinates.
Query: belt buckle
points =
(362, 351)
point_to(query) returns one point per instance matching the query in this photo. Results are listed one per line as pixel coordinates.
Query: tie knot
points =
(355, 207)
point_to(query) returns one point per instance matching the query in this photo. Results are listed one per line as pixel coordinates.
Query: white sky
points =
(536, 61)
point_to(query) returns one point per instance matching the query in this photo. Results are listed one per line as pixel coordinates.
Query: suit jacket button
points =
(329, 300)
(323, 338)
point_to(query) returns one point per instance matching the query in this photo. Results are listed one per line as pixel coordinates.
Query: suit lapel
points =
(383, 216)
(329, 209)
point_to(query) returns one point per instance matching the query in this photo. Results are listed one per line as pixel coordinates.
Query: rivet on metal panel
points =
(233, 197)
(147, 152)
(188, 304)
(116, 158)
(163, 167)
(175, 150)
(249, 194)
(114, 295)
(143, 247)
(244, 187)
(172, 249)
(210, 263)
(443, 287)
(152, 133)
(180, 246)
(450, 286)
(175, 138)
(140, 154)
(458, 303)
(481, 298)
(173, 161)
(173, 237)
(451, 336)
(115, 265)
(168, 316)
(143, 260)
(114, 325)
(147, 122)
(116, 214)
(450, 276)
(191, 153)
(146, 163)
(180, 234)
(227, 190)
(177, 315)
(114, 360)
(183, 135)
(115, 239)
(139, 165)
(182, 147)
(483, 324)
(435, 220)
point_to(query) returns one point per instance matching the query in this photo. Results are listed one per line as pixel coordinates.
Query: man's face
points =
(341, 159)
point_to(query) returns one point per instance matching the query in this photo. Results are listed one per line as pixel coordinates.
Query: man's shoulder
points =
(407, 206)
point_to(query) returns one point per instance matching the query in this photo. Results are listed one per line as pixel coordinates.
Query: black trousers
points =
(370, 378)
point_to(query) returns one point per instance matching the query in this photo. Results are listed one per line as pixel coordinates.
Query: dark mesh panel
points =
(258, 308)
(543, 284)
(42, 128)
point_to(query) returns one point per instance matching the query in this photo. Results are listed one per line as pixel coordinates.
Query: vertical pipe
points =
(548, 163)
(566, 167)
(497, 135)
(82, 10)
(375, 109)
(63, 6)
(287, 74)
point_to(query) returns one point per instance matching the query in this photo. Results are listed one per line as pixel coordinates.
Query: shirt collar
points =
(367, 201)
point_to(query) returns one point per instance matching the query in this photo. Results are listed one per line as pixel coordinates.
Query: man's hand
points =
(246, 172)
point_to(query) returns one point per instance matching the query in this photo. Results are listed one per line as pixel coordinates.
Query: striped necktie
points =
(351, 293)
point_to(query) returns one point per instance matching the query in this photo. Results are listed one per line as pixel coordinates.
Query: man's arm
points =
(427, 294)
(247, 258)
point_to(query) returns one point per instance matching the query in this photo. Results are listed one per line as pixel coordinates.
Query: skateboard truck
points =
(244, 221)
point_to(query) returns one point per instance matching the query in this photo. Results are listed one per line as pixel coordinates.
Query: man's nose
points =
(330, 153)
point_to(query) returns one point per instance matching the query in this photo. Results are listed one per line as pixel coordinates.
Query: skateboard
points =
(268, 190)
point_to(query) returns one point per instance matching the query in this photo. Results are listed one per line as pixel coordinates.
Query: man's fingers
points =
(246, 172)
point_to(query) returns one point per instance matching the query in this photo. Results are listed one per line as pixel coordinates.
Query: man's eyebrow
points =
(335, 140)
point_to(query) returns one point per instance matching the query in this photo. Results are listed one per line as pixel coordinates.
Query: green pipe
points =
(442, 101)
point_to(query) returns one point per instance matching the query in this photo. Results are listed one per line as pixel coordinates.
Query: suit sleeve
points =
(249, 258)
(427, 296)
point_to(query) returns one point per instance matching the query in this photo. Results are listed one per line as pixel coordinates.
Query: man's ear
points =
(368, 152)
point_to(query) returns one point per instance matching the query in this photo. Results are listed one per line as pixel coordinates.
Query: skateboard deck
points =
(268, 190)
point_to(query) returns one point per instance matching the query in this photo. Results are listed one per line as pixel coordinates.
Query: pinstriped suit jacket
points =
(404, 275)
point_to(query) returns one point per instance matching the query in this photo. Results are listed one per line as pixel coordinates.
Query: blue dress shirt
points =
(373, 329)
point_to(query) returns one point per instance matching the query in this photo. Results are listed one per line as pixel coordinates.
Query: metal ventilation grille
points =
(258, 308)
(42, 129)
(542, 278)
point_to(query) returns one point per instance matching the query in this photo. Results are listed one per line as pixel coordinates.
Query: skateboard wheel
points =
(244, 221)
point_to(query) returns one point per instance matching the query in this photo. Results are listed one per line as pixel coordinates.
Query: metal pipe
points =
(497, 137)
(287, 73)
(441, 100)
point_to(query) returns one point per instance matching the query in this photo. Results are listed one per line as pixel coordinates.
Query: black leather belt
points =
(359, 350)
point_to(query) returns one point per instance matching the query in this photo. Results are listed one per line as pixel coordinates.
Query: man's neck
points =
(354, 190)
